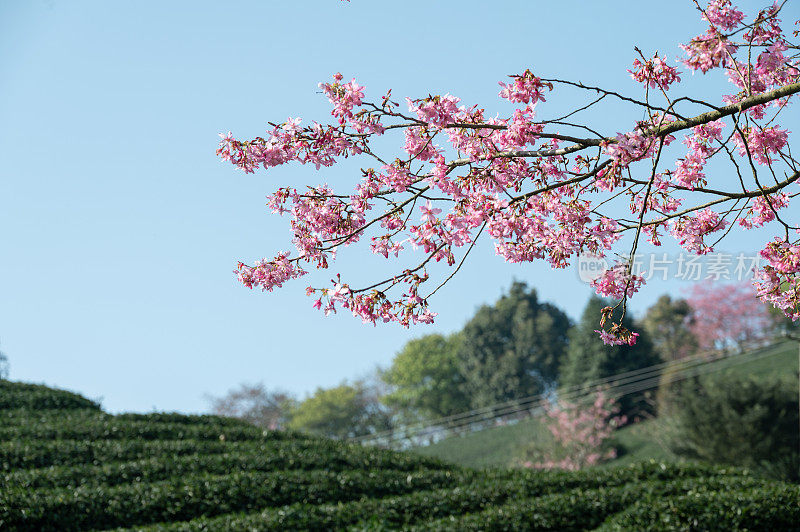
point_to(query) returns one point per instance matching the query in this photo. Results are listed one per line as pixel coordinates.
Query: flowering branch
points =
(537, 191)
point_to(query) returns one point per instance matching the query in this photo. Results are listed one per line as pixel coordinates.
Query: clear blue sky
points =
(119, 227)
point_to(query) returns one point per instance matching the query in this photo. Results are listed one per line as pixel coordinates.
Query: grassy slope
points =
(66, 465)
(502, 446)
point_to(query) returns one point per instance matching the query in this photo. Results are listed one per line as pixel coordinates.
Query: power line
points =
(624, 383)
(695, 359)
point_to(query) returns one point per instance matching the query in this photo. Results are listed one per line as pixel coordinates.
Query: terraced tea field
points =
(66, 465)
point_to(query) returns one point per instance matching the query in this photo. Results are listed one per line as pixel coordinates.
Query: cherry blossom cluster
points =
(779, 281)
(761, 143)
(723, 15)
(343, 96)
(689, 170)
(764, 210)
(655, 72)
(271, 274)
(616, 334)
(618, 282)
(581, 432)
(540, 188)
(690, 231)
(525, 88)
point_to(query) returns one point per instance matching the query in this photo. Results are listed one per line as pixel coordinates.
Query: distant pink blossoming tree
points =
(727, 316)
(581, 433)
(548, 186)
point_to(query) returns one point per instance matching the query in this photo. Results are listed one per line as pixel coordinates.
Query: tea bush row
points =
(28, 454)
(277, 458)
(15, 395)
(478, 498)
(31, 455)
(767, 507)
(582, 509)
(474, 492)
(20, 417)
(113, 429)
(182, 499)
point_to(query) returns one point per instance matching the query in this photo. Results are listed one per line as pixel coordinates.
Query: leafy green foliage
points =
(667, 324)
(341, 412)
(277, 456)
(38, 397)
(426, 379)
(586, 509)
(512, 349)
(474, 493)
(505, 445)
(100, 472)
(181, 498)
(740, 420)
(762, 507)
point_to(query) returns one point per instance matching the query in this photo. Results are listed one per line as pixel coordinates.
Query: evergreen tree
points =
(739, 420)
(512, 349)
(588, 360)
(668, 324)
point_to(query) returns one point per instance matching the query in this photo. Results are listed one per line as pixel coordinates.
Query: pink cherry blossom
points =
(581, 432)
(526, 88)
(778, 282)
(722, 14)
(543, 189)
(655, 72)
(727, 315)
(762, 142)
(691, 230)
(764, 210)
(708, 51)
(616, 282)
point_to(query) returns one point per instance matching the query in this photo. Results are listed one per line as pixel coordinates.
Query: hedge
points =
(767, 507)
(474, 494)
(276, 458)
(14, 417)
(66, 465)
(27, 454)
(113, 429)
(581, 509)
(35, 396)
(202, 495)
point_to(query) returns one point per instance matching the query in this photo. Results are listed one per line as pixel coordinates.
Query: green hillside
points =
(502, 446)
(66, 465)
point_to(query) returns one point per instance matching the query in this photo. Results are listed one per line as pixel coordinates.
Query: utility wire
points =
(620, 384)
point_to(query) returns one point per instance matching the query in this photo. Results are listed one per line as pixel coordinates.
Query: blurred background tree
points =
(741, 421)
(726, 317)
(255, 404)
(425, 380)
(668, 324)
(4, 366)
(344, 411)
(588, 360)
(513, 348)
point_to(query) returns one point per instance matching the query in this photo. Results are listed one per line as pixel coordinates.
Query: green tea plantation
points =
(66, 465)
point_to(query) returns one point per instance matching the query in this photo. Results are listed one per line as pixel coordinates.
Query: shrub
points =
(775, 507)
(183, 498)
(35, 396)
(742, 421)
